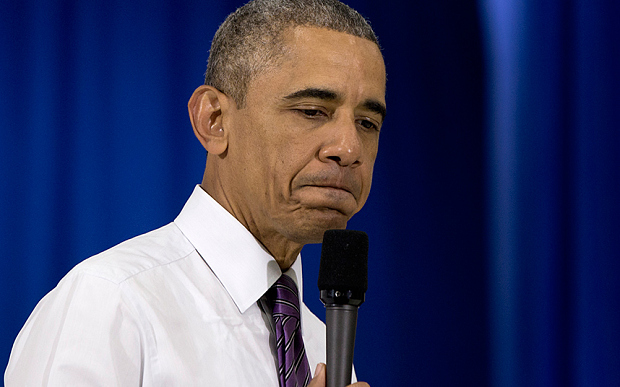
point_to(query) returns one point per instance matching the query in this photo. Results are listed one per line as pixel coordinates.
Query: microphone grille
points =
(344, 261)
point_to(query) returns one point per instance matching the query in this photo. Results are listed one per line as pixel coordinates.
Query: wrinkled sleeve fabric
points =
(83, 333)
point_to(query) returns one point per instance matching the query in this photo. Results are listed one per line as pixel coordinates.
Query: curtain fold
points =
(554, 189)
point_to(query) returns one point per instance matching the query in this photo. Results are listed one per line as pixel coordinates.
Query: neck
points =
(283, 250)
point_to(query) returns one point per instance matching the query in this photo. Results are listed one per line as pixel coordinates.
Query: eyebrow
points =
(329, 95)
(313, 92)
(375, 107)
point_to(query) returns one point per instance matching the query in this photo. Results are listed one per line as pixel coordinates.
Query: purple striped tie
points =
(294, 369)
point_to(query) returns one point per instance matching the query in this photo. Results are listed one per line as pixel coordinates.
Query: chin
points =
(310, 229)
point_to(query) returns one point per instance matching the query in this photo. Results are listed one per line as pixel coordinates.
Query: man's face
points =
(301, 152)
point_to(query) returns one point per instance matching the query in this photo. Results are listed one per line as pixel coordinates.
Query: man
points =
(290, 114)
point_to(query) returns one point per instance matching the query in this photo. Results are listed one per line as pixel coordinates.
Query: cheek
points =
(368, 166)
(371, 147)
(280, 168)
(284, 169)
(367, 181)
(298, 149)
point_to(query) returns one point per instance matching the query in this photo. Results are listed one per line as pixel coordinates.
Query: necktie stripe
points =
(299, 359)
(293, 367)
(290, 289)
(290, 341)
(289, 372)
(284, 303)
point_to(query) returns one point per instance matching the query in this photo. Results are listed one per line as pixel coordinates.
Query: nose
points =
(343, 145)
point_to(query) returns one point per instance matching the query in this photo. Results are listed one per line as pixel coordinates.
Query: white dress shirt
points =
(174, 307)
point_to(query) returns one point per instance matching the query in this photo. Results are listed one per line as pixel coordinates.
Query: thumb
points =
(319, 376)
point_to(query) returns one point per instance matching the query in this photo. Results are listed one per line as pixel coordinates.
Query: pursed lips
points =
(332, 181)
(338, 195)
(332, 186)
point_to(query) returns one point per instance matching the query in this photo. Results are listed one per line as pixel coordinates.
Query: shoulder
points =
(133, 257)
(120, 276)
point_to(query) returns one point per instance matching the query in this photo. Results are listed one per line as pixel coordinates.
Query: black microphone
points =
(343, 280)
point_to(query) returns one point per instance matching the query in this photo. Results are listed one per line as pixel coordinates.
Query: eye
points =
(368, 125)
(311, 112)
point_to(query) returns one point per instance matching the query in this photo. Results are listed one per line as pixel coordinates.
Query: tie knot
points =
(285, 298)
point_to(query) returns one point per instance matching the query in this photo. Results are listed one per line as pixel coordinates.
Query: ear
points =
(206, 107)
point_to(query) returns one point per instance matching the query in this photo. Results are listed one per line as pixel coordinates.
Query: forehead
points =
(323, 58)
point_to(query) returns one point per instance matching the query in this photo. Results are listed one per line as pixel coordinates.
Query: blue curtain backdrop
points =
(553, 206)
(495, 212)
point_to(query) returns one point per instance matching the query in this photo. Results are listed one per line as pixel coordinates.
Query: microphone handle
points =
(341, 322)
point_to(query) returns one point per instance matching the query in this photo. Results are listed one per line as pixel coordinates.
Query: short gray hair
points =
(249, 41)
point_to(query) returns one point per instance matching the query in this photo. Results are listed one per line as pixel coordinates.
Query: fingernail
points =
(319, 368)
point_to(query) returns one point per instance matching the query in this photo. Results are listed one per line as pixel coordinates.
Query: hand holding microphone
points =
(319, 378)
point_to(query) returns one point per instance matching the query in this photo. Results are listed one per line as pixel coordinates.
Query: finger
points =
(319, 376)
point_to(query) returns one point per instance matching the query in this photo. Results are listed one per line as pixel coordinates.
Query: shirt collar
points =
(239, 261)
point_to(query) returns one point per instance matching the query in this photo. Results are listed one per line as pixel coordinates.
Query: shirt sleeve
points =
(83, 333)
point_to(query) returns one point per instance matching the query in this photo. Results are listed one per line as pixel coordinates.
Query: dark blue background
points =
(494, 216)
